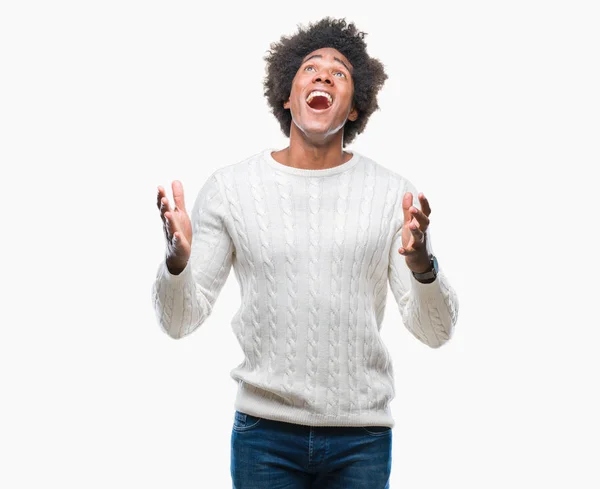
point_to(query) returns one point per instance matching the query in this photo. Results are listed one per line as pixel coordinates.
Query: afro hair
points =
(285, 57)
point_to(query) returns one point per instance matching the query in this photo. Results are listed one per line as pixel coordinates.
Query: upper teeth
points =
(317, 93)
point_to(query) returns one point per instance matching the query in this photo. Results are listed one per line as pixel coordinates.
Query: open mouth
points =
(319, 100)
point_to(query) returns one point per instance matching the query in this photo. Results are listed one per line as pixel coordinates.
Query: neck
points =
(310, 155)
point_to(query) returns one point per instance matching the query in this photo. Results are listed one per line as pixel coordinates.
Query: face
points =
(319, 117)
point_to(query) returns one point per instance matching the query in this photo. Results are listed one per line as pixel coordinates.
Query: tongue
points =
(319, 103)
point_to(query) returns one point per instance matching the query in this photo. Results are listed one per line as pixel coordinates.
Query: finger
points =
(178, 197)
(417, 232)
(166, 213)
(416, 247)
(420, 216)
(169, 226)
(413, 245)
(424, 204)
(164, 207)
(172, 224)
(160, 195)
(408, 251)
(407, 201)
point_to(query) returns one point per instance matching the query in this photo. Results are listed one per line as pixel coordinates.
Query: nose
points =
(323, 77)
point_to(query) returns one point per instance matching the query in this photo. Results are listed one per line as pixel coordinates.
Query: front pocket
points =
(377, 430)
(244, 421)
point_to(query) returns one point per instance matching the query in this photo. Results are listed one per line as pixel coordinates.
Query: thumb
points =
(178, 198)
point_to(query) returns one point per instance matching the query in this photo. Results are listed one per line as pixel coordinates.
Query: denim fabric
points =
(268, 454)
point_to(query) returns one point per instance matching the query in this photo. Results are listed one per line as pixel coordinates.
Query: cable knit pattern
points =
(263, 225)
(314, 276)
(313, 252)
(377, 352)
(337, 268)
(390, 210)
(246, 263)
(360, 251)
(286, 201)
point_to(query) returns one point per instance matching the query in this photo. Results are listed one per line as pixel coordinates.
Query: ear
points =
(353, 115)
(286, 104)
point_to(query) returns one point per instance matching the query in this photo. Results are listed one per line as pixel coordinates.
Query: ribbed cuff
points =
(426, 292)
(177, 280)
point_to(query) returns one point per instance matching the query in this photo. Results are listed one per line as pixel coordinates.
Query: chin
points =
(318, 136)
(318, 132)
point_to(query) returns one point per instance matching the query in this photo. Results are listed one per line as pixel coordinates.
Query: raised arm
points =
(429, 310)
(183, 301)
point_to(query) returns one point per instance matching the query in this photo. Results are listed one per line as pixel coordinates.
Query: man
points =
(314, 234)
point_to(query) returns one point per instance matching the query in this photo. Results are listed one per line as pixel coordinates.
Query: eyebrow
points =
(320, 56)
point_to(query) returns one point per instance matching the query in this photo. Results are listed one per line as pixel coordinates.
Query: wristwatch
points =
(429, 275)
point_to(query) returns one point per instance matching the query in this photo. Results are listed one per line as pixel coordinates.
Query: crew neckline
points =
(310, 173)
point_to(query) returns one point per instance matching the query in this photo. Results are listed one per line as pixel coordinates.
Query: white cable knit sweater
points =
(313, 251)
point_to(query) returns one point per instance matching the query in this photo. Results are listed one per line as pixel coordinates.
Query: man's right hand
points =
(177, 227)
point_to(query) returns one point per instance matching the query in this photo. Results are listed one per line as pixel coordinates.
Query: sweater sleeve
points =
(429, 311)
(183, 302)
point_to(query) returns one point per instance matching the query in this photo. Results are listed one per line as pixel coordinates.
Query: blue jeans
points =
(268, 454)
